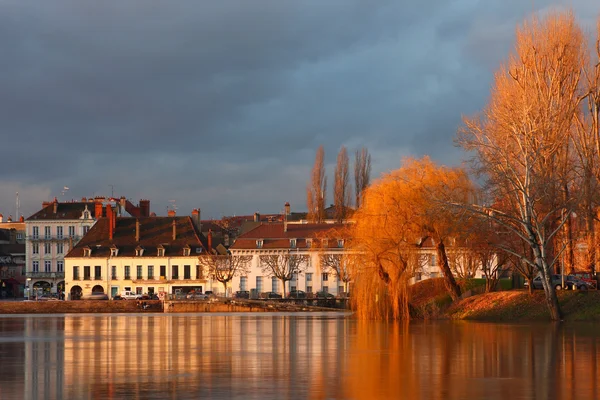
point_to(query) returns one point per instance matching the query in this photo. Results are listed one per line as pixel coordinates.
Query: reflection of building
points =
(56, 228)
(12, 258)
(144, 255)
(311, 240)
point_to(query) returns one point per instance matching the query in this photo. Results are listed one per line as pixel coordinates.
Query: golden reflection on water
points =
(287, 356)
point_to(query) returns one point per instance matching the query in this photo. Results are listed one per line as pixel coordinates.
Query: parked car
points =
(117, 297)
(242, 294)
(270, 295)
(324, 295)
(129, 295)
(196, 296)
(47, 298)
(587, 277)
(570, 282)
(296, 294)
(95, 296)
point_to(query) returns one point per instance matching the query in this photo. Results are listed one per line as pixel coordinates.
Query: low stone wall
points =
(183, 306)
(79, 307)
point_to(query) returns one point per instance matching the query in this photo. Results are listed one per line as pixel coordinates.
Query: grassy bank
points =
(430, 301)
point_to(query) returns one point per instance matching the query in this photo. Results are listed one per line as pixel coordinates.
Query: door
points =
(114, 290)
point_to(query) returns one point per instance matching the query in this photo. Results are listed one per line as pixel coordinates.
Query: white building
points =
(310, 240)
(55, 229)
(144, 255)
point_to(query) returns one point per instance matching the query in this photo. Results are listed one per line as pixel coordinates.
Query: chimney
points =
(171, 213)
(83, 200)
(21, 218)
(209, 237)
(256, 217)
(46, 204)
(55, 205)
(287, 208)
(9, 218)
(109, 215)
(98, 210)
(196, 219)
(145, 208)
(174, 230)
(137, 230)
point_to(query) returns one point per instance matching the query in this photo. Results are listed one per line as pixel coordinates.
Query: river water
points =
(292, 356)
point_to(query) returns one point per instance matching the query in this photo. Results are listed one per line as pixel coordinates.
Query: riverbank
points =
(430, 301)
(153, 306)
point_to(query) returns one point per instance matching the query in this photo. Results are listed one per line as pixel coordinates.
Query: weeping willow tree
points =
(397, 211)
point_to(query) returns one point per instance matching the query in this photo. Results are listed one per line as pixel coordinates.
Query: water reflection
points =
(285, 356)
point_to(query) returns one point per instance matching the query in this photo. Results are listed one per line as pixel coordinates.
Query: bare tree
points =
(362, 173)
(316, 191)
(340, 265)
(283, 266)
(521, 137)
(341, 194)
(225, 267)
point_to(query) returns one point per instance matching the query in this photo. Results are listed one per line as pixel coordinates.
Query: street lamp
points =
(28, 288)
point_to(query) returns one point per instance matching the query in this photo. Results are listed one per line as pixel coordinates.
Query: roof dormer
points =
(139, 251)
(114, 251)
(186, 250)
(309, 243)
(87, 251)
(259, 244)
(160, 250)
(292, 243)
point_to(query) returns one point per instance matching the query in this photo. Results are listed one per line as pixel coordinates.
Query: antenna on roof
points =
(112, 191)
(64, 190)
(17, 214)
(173, 205)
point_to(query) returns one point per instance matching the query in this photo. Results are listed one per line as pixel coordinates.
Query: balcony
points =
(127, 277)
(98, 278)
(45, 275)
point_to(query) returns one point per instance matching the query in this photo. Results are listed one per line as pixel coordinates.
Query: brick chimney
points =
(196, 219)
(145, 208)
(137, 230)
(174, 230)
(171, 213)
(287, 208)
(55, 205)
(256, 217)
(21, 218)
(98, 209)
(209, 239)
(110, 216)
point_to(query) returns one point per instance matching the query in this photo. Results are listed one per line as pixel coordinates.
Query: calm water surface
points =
(292, 356)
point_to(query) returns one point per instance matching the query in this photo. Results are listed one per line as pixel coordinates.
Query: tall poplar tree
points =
(341, 189)
(316, 191)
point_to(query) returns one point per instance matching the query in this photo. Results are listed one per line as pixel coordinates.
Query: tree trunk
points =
(225, 287)
(442, 260)
(283, 290)
(551, 299)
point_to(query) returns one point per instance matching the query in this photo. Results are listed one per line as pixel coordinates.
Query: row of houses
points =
(110, 245)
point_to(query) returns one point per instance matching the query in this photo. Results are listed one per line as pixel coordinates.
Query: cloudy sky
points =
(222, 104)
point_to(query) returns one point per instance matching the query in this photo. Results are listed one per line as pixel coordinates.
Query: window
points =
(59, 232)
(139, 272)
(47, 232)
(19, 236)
(35, 248)
(259, 284)
(60, 266)
(432, 260)
(295, 276)
(60, 248)
(243, 282)
(175, 270)
(309, 289)
(150, 272)
(293, 243)
(340, 243)
(163, 272)
(47, 248)
(325, 243)
(127, 272)
(259, 244)
(309, 276)
(187, 272)
(86, 215)
(326, 289)
(86, 273)
(76, 273)
(274, 284)
(36, 232)
(114, 251)
(186, 251)
(199, 274)
(139, 290)
(340, 289)
(71, 231)
(87, 252)
(113, 272)
(324, 276)
(98, 272)
(161, 252)
(36, 266)
(309, 243)
(139, 251)
(86, 229)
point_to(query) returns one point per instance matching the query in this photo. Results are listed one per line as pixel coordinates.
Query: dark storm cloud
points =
(221, 105)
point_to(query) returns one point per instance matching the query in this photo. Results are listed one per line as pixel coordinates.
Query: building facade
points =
(12, 259)
(310, 241)
(151, 255)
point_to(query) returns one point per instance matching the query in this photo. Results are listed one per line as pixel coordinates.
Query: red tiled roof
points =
(154, 231)
(274, 237)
